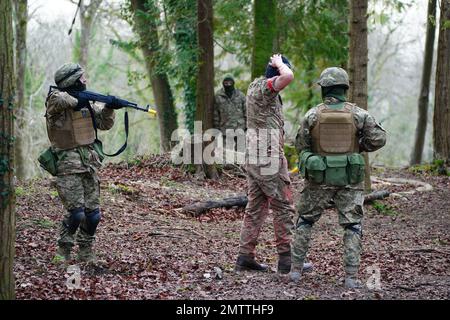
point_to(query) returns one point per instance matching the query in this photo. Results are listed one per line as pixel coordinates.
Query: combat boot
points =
(296, 273)
(62, 253)
(248, 263)
(86, 254)
(352, 282)
(284, 263)
(351, 277)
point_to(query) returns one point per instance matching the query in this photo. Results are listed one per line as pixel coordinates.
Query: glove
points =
(115, 104)
(82, 103)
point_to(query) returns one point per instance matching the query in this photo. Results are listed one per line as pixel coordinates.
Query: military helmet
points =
(334, 76)
(68, 74)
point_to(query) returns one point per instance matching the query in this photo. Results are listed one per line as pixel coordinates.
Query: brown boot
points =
(248, 263)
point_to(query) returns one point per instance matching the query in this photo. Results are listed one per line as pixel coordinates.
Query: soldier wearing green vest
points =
(72, 136)
(330, 141)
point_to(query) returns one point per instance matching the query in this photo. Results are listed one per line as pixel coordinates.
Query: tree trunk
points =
(357, 65)
(264, 35)
(185, 14)
(88, 15)
(21, 19)
(7, 198)
(205, 77)
(441, 119)
(145, 17)
(422, 119)
(198, 208)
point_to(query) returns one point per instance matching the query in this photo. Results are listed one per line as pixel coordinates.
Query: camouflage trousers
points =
(262, 196)
(349, 204)
(77, 191)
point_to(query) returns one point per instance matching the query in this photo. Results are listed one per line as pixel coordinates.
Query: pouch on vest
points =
(336, 172)
(315, 169)
(356, 168)
(48, 161)
(303, 158)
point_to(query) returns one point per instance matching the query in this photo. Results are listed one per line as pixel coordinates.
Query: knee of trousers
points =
(75, 217)
(92, 220)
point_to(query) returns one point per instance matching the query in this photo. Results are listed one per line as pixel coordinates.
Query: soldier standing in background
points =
(229, 110)
(70, 127)
(330, 140)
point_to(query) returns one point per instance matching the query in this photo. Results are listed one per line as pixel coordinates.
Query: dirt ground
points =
(148, 249)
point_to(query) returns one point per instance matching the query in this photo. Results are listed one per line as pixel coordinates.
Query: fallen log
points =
(198, 208)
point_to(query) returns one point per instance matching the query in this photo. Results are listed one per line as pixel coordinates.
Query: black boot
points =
(248, 263)
(284, 263)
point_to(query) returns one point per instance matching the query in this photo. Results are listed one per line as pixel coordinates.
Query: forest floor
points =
(148, 249)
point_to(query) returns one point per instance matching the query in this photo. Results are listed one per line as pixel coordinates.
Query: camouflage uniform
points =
(348, 199)
(229, 113)
(77, 180)
(264, 111)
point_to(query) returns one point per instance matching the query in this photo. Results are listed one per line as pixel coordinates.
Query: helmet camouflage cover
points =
(334, 76)
(68, 74)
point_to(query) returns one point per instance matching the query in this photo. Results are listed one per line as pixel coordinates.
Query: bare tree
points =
(358, 61)
(205, 78)
(7, 198)
(21, 21)
(416, 156)
(88, 17)
(145, 16)
(441, 120)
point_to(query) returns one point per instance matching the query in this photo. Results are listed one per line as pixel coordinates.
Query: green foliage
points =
(264, 34)
(20, 191)
(384, 209)
(181, 26)
(44, 223)
(437, 167)
(233, 29)
(314, 35)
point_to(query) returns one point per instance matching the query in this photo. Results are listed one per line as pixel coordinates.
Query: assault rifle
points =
(110, 100)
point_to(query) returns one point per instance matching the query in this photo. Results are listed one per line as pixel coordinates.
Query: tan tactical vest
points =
(335, 131)
(76, 130)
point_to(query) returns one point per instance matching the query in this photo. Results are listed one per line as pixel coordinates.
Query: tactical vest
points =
(76, 130)
(335, 131)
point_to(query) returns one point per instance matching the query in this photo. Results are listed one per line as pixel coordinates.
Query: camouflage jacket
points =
(229, 113)
(265, 111)
(372, 136)
(80, 159)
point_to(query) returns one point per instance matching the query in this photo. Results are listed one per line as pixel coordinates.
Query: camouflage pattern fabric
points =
(261, 196)
(314, 200)
(333, 77)
(265, 192)
(68, 74)
(229, 113)
(348, 199)
(77, 180)
(372, 134)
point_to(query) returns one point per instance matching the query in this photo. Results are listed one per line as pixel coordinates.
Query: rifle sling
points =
(124, 146)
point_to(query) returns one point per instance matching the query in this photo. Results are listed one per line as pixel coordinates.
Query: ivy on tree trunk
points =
(7, 198)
